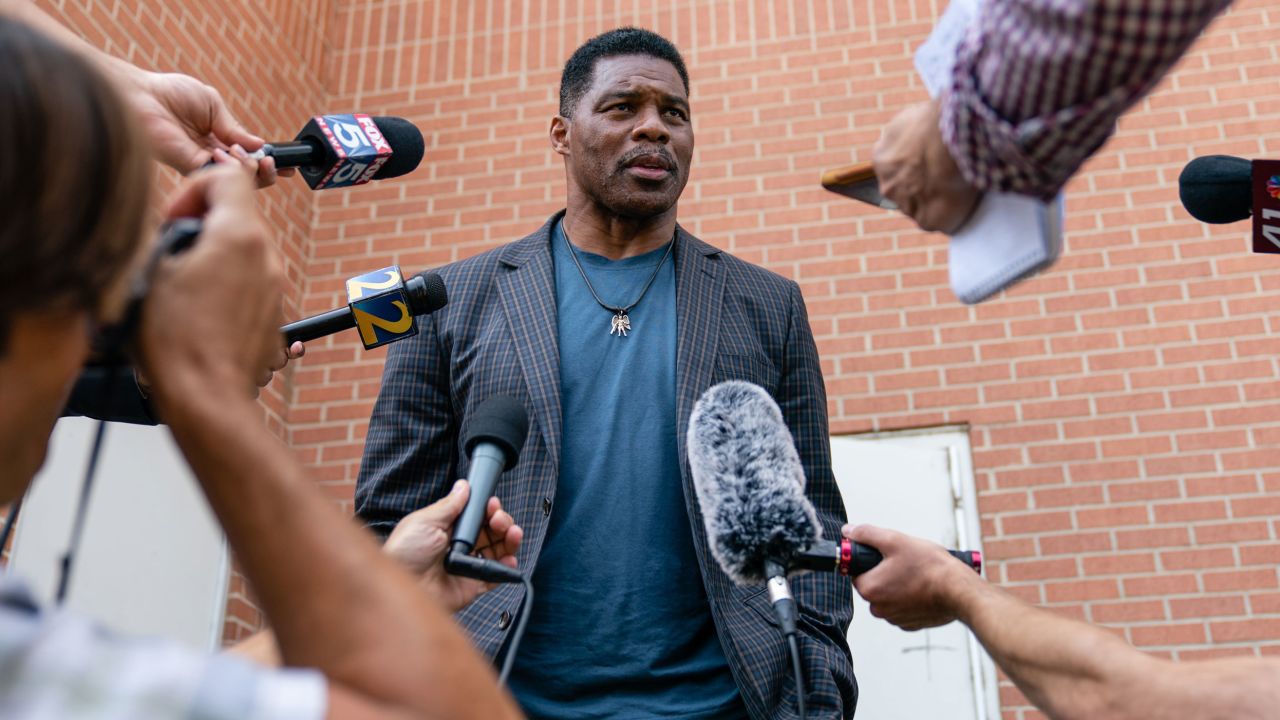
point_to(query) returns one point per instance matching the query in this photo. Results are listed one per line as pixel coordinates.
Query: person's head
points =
(624, 125)
(75, 179)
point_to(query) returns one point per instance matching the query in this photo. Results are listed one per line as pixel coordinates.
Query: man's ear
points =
(560, 127)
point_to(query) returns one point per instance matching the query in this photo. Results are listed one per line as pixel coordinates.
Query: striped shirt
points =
(55, 665)
(1038, 84)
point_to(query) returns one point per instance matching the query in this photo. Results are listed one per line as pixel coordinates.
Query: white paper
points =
(935, 58)
(1009, 237)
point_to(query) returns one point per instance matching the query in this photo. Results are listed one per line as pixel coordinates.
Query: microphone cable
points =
(795, 664)
(518, 633)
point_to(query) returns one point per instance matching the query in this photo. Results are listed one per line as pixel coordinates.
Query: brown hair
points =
(75, 178)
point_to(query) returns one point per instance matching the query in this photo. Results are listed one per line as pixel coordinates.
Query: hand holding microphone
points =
(421, 540)
(333, 151)
(493, 437)
(750, 486)
(918, 583)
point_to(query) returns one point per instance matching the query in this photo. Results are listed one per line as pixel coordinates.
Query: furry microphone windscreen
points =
(749, 480)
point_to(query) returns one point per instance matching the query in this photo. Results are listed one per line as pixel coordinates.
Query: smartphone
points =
(858, 182)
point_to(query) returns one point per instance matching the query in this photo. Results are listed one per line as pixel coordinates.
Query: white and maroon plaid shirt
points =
(1038, 84)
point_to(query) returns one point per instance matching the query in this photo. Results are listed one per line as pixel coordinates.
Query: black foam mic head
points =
(426, 292)
(749, 481)
(407, 146)
(1217, 189)
(501, 420)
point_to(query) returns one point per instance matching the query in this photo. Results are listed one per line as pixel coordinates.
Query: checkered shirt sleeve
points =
(60, 666)
(1038, 84)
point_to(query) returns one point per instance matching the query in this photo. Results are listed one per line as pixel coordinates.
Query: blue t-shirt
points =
(621, 625)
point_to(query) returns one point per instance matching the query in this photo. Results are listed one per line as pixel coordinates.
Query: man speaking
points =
(608, 323)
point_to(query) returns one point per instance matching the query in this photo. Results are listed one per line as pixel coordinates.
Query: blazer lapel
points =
(528, 292)
(699, 287)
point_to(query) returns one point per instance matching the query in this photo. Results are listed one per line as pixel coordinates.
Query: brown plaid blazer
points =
(498, 336)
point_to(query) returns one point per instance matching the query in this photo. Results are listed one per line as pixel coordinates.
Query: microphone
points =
(380, 304)
(1221, 189)
(334, 151)
(1217, 189)
(492, 440)
(750, 486)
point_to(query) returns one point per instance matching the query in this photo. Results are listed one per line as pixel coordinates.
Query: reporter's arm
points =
(1069, 669)
(335, 601)
(1037, 87)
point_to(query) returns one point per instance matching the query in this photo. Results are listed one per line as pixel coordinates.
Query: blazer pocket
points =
(757, 599)
(751, 368)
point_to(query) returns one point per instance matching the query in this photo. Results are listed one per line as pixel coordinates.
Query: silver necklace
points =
(620, 324)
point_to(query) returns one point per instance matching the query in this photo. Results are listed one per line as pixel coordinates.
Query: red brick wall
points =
(1123, 407)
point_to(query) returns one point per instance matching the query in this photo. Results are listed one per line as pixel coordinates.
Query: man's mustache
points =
(660, 152)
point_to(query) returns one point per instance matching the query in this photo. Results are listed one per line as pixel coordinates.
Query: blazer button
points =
(504, 620)
(546, 507)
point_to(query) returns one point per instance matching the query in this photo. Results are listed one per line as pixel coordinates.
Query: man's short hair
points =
(576, 78)
(75, 178)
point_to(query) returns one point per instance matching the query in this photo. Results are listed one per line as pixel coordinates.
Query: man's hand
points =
(187, 122)
(211, 322)
(917, 585)
(421, 540)
(917, 172)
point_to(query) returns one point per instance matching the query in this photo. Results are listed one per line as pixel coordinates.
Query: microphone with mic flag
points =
(381, 304)
(1221, 189)
(334, 151)
(750, 486)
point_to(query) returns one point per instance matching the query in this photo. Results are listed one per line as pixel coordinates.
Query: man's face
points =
(630, 141)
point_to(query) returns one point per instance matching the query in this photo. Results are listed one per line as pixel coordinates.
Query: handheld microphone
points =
(334, 151)
(493, 438)
(750, 486)
(380, 304)
(1220, 189)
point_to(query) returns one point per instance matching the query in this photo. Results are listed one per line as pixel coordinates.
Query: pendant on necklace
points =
(621, 324)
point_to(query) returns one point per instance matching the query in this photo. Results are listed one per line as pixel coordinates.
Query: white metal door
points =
(152, 560)
(920, 483)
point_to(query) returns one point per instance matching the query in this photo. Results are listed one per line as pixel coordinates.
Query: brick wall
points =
(1123, 408)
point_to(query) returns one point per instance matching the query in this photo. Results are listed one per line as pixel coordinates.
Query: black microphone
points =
(750, 487)
(344, 150)
(1217, 189)
(1223, 189)
(381, 305)
(492, 439)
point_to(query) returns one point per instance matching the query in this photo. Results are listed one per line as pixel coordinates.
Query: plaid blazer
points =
(498, 335)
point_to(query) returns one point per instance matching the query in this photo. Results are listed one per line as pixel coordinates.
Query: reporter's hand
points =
(187, 121)
(917, 172)
(421, 539)
(918, 583)
(212, 318)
